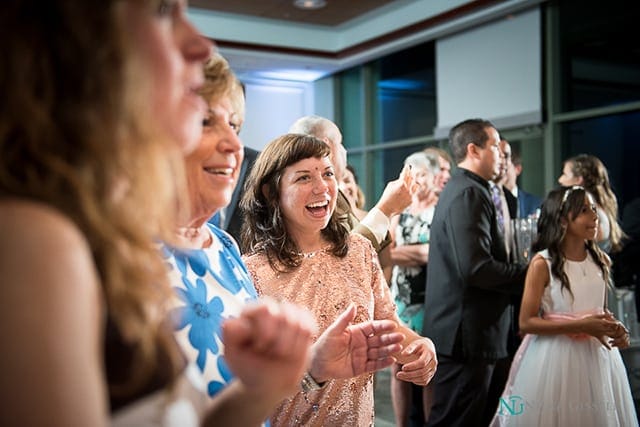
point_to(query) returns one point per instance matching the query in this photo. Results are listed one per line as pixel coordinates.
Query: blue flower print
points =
(233, 273)
(215, 386)
(224, 239)
(227, 277)
(205, 318)
(196, 259)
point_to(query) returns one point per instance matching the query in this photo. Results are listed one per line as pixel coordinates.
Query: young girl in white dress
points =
(568, 370)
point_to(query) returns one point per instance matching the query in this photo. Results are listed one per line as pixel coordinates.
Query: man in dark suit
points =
(527, 203)
(469, 284)
(510, 212)
(508, 202)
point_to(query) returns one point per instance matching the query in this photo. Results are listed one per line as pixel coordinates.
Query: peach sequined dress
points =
(326, 285)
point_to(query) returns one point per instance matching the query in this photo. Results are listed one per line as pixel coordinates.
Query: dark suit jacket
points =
(527, 203)
(470, 281)
(232, 216)
(512, 203)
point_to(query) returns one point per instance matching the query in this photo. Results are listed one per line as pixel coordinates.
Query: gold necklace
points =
(582, 265)
(311, 254)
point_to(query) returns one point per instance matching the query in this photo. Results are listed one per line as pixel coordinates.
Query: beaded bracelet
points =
(308, 383)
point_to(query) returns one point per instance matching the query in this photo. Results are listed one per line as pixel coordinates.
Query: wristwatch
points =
(309, 384)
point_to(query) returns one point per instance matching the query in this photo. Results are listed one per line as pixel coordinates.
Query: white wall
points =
(493, 72)
(324, 98)
(271, 107)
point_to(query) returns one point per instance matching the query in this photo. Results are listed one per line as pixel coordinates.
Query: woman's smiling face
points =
(213, 168)
(308, 191)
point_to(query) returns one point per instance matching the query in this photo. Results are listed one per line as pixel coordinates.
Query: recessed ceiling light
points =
(309, 4)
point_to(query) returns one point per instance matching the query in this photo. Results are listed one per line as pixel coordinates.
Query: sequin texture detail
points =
(326, 285)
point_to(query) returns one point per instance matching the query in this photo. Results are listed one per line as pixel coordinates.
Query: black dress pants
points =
(466, 393)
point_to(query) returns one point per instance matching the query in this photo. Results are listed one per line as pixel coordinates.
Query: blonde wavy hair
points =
(220, 81)
(76, 134)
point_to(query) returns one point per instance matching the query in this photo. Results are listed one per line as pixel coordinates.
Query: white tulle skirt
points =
(559, 381)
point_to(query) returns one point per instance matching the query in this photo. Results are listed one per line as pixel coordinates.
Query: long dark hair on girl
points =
(564, 203)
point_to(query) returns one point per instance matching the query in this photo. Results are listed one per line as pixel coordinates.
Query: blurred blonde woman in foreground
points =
(100, 103)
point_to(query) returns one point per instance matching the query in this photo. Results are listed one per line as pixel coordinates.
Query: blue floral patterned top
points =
(212, 285)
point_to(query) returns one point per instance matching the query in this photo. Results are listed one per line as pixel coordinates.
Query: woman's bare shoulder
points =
(538, 261)
(24, 218)
(538, 270)
(53, 309)
(39, 242)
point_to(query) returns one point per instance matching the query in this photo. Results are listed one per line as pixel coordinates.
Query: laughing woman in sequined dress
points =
(299, 251)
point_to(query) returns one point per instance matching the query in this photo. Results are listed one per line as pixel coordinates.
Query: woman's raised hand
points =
(345, 350)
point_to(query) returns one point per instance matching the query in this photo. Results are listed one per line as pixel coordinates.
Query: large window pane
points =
(406, 93)
(601, 55)
(387, 165)
(531, 154)
(351, 107)
(614, 140)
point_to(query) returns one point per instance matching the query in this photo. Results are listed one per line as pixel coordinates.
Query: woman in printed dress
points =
(213, 286)
(409, 255)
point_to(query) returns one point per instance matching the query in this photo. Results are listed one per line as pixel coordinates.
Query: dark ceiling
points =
(336, 12)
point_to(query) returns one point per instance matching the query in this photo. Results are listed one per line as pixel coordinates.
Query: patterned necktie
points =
(497, 201)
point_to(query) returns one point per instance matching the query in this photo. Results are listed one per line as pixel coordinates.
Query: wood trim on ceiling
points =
(367, 45)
